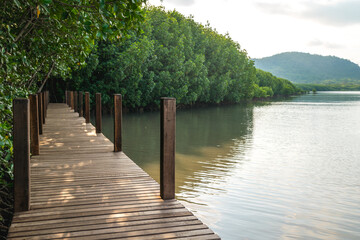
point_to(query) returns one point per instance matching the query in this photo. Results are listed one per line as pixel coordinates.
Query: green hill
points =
(308, 68)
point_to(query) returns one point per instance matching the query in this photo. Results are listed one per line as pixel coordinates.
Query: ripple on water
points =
(284, 170)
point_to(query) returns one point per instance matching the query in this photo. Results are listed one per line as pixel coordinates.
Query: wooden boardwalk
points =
(81, 189)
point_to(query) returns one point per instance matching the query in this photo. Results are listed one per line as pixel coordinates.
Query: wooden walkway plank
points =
(99, 225)
(164, 214)
(82, 189)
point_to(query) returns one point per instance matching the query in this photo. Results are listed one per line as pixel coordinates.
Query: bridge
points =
(78, 184)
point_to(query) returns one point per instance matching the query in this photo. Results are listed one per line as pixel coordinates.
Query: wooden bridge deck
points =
(81, 189)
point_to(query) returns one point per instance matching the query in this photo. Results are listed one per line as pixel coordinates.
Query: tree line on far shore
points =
(329, 87)
(176, 57)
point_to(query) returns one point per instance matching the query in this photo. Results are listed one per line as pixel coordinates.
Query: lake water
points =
(279, 170)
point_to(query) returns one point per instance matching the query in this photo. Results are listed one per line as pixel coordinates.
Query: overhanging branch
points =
(46, 78)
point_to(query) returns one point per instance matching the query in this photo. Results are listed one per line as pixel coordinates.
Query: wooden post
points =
(21, 134)
(66, 102)
(98, 112)
(81, 107)
(68, 98)
(87, 107)
(48, 98)
(75, 101)
(117, 123)
(167, 148)
(71, 100)
(40, 113)
(46, 102)
(34, 125)
(43, 107)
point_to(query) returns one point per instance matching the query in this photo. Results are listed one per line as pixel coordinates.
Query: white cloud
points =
(181, 2)
(276, 8)
(339, 13)
(319, 43)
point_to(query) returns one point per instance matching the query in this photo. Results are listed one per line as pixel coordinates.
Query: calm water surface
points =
(279, 170)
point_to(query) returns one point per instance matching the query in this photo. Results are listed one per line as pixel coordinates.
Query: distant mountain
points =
(308, 68)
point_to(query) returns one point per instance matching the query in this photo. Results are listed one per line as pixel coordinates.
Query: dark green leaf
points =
(64, 15)
(17, 3)
(46, 2)
(102, 4)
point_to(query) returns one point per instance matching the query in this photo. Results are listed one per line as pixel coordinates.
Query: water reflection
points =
(206, 140)
(283, 170)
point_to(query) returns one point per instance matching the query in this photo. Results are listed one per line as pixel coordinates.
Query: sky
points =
(268, 27)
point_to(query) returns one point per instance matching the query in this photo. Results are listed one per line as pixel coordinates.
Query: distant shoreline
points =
(328, 87)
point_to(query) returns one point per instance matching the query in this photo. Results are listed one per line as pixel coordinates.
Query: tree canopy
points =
(40, 38)
(175, 56)
(37, 37)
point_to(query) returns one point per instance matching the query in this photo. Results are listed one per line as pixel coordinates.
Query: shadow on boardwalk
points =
(81, 189)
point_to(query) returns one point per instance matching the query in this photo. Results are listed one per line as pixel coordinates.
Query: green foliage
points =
(173, 56)
(271, 85)
(44, 37)
(7, 93)
(330, 87)
(260, 92)
(308, 68)
(37, 37)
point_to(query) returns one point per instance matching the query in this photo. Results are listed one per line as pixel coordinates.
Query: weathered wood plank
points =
(34, 125)
(76, 98)
(43, 115)
(165, 215)
(87, 107)
(82, 189)
(21, 134)
(81, 105)
(40, 112)
(91, 233)
(117, 123)
(101, 225)
(97, 199)
(72, 100)
(98, 113)
(96, 211)
(167, 148)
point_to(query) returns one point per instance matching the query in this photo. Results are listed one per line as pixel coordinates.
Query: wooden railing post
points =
(98, 112)
(71, 100)
(40, 112)
(81, 107)
(46, 102)
(34, 125)
(48, 99)
(75, 101)
(66, 100)
(87, 107)
(167, 148)
(117, 123)
(43, 106)
(21, 144)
